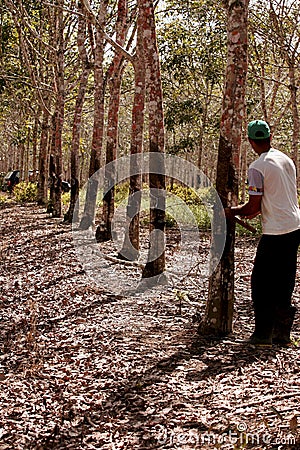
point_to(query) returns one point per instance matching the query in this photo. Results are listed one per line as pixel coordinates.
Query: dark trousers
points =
(273, 278)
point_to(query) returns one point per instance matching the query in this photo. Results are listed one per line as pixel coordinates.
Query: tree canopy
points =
(192, 46)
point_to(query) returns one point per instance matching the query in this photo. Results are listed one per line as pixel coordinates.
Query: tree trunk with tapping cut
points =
(296, 119)
(155, 265)
(57, 129)
(43, 159)
(98, 127)
(72, 213)
(130, 249)
(103, 231)
(219, 308)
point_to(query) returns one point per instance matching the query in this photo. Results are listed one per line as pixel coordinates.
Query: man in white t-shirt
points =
(273, 193)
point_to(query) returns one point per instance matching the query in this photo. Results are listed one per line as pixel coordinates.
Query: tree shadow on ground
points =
(130, 395)
(8, 334)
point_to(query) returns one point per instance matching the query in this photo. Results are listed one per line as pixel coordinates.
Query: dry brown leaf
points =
(294, 423)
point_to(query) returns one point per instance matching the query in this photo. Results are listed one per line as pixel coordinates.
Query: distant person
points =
(273, 193)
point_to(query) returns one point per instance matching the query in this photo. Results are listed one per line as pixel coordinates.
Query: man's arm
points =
(248, 210)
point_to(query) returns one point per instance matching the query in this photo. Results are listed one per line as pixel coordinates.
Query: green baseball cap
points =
(258, 129)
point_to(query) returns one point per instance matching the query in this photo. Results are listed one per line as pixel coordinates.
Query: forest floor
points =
(84, 368)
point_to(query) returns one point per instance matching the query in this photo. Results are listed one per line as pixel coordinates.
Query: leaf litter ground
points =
(84, 368)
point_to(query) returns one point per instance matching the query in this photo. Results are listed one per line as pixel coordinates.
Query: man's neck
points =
(260, 149)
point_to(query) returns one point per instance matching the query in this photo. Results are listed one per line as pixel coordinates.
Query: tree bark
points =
(295, 114)
(57, 129)
(72, 213)
(156, 255)
(52, 166)
(131, 244)
(103, 232)
(98, 127)
(219, 308)
(26, 156)
(43, 160)
(289, 44)
(34, 146)
(21, 150)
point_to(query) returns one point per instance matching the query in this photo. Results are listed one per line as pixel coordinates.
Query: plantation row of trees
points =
(60, 62)
(82, 83)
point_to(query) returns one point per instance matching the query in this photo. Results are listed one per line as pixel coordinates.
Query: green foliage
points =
(202, 217)
(25, 192)
(195, 202)
(3, 200)
(121, 192)
(170, 221)
(190, 196)
(187, 194)
(65, 198)
(197, 216)
(192, 43)
(182, 112)
(185, 145)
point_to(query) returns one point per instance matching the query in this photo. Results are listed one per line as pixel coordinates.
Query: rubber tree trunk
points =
(58, 117)
(156, 256)
(103, 232)
(295, 113)
(43, 160)
(288, 42)
(34, 147)
(219, 308)
(72, 213)
(131, 244)
(98, 127)
(52, 167)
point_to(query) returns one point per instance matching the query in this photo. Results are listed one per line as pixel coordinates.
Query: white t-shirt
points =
(273, 175)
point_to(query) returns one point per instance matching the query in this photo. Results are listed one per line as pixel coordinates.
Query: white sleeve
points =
(256, 182)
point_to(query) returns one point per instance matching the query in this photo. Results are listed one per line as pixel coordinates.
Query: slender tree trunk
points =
(262, 76)
(43, 160)
(296, 120)
(289, 43)
(21, 149)
(26, 157)
(16, 162)
(103, 232)
(275, 92)
(131, 244)
(60, 107)
(34, 148)
(219, 308)
(52, 166)
(156, 255)
(58, 116)
(98, 128)
(72, 214)
(208, 95)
